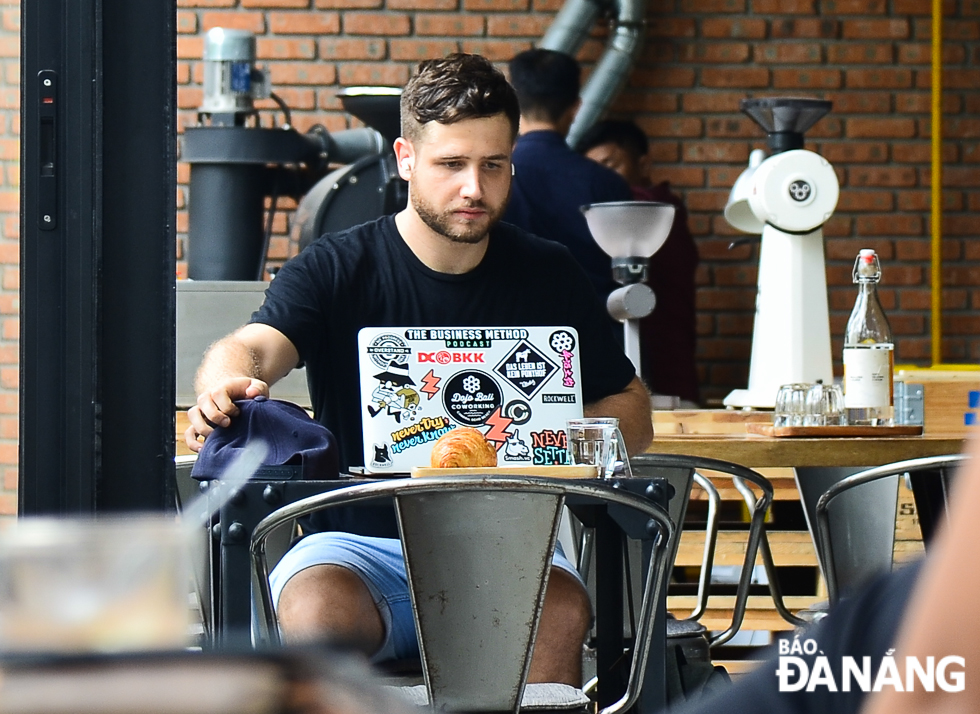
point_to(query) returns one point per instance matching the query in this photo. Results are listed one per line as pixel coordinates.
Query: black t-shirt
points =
(368, 276)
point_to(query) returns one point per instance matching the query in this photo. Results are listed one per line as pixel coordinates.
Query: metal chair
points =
(825, 546)
(758, 507)
(205, 560)
(768, 562)
(446, 514)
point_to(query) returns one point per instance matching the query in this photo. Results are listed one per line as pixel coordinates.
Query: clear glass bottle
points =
(869, 363)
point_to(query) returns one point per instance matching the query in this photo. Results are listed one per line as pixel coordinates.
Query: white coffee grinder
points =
(630, 232)
(787, 197)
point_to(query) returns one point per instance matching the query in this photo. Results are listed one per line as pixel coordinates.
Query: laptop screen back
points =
(516, 385)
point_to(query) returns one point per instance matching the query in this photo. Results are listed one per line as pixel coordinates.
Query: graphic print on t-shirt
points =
(418, 383)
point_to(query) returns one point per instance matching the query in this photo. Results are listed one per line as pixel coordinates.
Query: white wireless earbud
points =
(512, 171)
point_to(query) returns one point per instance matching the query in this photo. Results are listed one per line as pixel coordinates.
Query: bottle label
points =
(868, 376)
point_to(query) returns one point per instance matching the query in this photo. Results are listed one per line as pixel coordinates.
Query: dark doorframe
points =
(98, 205)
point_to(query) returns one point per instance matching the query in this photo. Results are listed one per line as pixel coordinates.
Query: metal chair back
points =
(758, 507)
(825, 546)
(202, 561)
(466, 678)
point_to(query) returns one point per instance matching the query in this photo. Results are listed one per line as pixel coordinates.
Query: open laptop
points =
(516, 385)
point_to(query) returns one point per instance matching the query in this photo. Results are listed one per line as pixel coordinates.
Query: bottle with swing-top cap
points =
(869, 363)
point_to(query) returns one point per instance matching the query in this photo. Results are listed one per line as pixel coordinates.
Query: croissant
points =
(463, 447)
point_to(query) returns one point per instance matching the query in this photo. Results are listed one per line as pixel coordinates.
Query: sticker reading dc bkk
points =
(471, 397)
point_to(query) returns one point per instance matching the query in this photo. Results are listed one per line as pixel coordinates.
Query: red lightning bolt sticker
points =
(430, 384)
(497, 433)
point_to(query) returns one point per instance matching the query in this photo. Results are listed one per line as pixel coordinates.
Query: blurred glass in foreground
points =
(84, 585)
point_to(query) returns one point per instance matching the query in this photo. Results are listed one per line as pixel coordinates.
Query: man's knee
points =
(567, 604)
(330, 602)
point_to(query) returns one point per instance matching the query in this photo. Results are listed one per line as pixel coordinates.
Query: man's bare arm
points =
(239, 366)
(632, 406)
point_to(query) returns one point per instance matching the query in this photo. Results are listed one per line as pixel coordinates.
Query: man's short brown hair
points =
(457, 87)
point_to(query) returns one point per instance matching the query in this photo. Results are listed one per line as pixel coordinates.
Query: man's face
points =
(460, 175)
(618, 159)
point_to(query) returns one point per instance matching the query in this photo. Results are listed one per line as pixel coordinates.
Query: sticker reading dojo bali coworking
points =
(471, 397)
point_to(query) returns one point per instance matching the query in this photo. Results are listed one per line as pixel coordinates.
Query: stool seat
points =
(684, 628)
(542, 697)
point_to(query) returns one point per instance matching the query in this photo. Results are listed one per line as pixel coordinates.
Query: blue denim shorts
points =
(379, 563)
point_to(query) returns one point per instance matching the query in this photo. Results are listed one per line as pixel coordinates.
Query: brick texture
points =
(700, 58)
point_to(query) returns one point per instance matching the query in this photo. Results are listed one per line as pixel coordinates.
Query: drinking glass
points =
(597, 441)
(791, 404)
(85, 585)
(825, 405)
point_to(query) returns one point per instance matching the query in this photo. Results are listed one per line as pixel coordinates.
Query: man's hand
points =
(231, 370)
(217, 407)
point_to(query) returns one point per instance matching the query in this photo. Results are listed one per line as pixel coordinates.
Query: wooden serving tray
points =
(580, 471)
(832, 431)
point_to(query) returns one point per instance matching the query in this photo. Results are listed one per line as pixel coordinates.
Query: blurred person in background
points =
(669, 334)
(551, 181)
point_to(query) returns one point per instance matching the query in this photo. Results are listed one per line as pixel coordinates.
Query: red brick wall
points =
(871, 57)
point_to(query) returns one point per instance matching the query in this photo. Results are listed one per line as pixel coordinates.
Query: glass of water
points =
(791, 404)
(83, 585)
(825, 406)
(597, 441)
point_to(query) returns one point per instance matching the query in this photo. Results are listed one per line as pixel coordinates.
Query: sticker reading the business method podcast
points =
(471, 397)
(526, 368)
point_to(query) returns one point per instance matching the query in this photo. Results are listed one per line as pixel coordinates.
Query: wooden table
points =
(862, 522)
(764, 451)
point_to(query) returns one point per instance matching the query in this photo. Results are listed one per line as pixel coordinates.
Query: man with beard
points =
(443, 261)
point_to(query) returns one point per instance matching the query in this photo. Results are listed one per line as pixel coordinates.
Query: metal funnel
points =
(629, 229)
(378, 107)
(785, 120)
(781, 115)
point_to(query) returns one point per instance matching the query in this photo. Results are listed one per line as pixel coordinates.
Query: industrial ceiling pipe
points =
(567, 33)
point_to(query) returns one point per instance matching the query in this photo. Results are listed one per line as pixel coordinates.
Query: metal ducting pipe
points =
(349, 145)
(572, 25)
(568, 32)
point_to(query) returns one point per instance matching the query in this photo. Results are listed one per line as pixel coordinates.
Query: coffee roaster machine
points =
(241, 162)
(238, 166)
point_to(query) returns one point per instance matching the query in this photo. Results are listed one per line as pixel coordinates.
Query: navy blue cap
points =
(299, 447)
